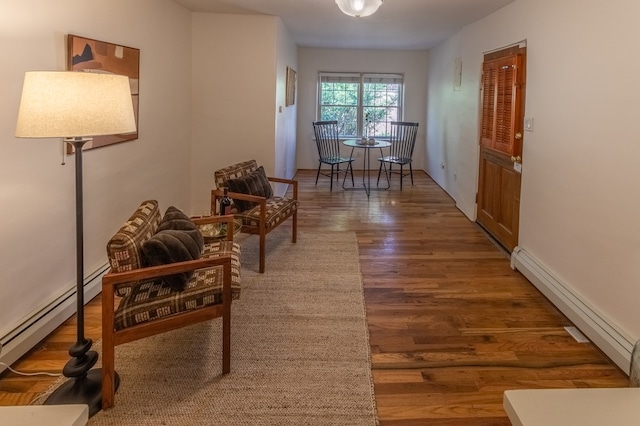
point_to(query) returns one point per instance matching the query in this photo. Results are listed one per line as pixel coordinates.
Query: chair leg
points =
(226, 343)
(318, 174)
(262, 249)
(108, 375)
(331, 179)
(108, 352)
(386, 173)
(348, 171)
(401, 175)
(294, 231)
(226, 320)
(344, 179)
(353, 183)
(411, 172)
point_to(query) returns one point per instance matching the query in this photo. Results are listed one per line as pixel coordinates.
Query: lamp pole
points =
(85, 384)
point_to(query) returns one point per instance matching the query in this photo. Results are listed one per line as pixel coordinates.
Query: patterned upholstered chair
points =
(137, 302)
(265, 212)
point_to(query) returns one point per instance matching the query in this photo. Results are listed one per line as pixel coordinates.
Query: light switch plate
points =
(528, 124)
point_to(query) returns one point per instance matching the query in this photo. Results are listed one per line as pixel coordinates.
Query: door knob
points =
(518, 136)
(516, 159)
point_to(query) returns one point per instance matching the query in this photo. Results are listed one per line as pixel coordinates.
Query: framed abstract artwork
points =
(88, 55)
(291, 87)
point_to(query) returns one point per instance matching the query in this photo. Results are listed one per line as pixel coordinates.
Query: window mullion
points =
(360, 106)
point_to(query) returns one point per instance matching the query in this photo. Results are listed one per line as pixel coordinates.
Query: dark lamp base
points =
(85, 390)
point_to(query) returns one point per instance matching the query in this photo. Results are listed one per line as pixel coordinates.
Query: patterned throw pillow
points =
(177, 239)
(255, 183)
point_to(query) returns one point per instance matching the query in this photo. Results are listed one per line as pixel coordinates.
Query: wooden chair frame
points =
(111, 338)
(261, 229)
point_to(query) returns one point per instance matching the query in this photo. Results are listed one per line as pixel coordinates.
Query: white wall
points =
(411, 63)
(36, 192)
(452, 125)
(239, 63)
(285, 138)
(580, 202)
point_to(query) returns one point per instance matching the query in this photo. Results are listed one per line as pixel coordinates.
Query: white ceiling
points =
(398, 24)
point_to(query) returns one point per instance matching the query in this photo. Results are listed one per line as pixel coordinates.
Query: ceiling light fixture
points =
(359, 8)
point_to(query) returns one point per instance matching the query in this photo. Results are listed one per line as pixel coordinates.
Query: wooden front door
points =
(503, 90)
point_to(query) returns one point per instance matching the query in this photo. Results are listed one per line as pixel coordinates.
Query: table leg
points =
(366, 173)
(345, 175)
(367, 170)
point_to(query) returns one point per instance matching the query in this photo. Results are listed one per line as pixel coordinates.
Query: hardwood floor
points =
(451, 324)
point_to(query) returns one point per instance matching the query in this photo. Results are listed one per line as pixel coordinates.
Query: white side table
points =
(563, 407)
(50, 415)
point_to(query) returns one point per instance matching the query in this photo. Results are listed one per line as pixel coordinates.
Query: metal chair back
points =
(403, 140)
(328, 143)
(327, 140)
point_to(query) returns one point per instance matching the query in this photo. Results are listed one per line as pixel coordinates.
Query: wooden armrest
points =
(217, 194)
(205, 220)
(247, 197)
(282, 180)
(111, 279)
(288, 181)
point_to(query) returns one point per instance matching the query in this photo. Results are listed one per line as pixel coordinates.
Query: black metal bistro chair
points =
(328, 144)
(403, 140)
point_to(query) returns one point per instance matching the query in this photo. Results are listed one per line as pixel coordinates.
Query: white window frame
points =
(380, 128)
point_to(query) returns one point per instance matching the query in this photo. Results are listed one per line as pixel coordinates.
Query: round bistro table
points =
(366, 176)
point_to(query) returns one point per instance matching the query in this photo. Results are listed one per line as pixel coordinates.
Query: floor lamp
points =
(76, 106)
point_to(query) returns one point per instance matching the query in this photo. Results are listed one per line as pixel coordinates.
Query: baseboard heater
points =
(596, 326)
(42, 321)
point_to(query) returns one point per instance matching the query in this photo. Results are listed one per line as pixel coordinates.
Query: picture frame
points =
(457, 74)
(291, 87)
(90, 55)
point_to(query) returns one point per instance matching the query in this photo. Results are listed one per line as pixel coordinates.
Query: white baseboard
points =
(45, 319)
(595, 325)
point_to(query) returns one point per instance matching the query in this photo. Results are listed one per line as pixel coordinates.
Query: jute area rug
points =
(300, 351)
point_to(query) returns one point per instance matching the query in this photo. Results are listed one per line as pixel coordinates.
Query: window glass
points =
(363, 104)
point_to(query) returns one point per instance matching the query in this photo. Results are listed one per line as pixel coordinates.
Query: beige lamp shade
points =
(74, 104)
(359, 8)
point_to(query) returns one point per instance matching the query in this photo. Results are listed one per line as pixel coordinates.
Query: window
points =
(363, 104)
